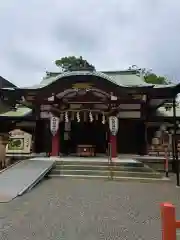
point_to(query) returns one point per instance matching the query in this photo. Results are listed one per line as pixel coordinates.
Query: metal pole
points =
(173, 152)
(175, 142)
(166, 144)
(110, 160)
(108, 153)
(166, 163)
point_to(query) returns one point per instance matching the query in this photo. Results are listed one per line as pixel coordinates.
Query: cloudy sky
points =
(111, 34)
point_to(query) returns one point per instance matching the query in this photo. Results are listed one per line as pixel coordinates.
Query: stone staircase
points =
(120, 170)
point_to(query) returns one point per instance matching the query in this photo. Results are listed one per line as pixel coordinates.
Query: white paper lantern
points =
(113, 125)
(54, 125)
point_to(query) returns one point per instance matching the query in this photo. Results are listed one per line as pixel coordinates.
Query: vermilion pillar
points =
(55, 144)
(113, 141)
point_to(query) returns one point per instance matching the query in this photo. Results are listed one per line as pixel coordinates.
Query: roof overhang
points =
(97, 80)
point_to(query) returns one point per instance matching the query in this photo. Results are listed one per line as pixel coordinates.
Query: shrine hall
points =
(90, 113)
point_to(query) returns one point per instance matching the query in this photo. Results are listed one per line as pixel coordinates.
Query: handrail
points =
(110, 162)
(109, 153)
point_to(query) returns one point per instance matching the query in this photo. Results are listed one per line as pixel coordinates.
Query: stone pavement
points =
(87, 210)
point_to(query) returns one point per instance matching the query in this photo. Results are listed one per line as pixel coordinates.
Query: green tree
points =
(72, 63)
(154, 79)
(149, 76)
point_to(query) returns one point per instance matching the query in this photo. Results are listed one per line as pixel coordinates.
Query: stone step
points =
(158, 166)
(100, 163)
(104, 167)
(106, 173)
(156, 163)
(134, 179)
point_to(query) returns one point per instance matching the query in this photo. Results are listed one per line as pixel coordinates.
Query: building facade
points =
(90, 113)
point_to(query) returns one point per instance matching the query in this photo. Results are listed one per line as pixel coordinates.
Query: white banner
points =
(113, 125)
(54, 125)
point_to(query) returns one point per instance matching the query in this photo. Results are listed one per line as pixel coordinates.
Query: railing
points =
(110, 162)
(169, 222)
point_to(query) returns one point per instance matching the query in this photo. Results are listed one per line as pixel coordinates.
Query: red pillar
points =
(113, 141)
(55, 144)
(168, 221)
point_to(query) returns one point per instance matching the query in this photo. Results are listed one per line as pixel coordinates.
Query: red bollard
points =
(168, 221)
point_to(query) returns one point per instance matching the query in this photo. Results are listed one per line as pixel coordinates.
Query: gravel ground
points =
(87, 210)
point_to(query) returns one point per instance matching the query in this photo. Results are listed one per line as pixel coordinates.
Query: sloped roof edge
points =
(111, 76)
(6, 84)
(50, 80)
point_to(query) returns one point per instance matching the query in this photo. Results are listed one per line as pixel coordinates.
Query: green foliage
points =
(149, 76)
(154, 79)
(73, 63)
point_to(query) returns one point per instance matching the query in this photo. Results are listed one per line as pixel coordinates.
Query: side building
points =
(5, 106)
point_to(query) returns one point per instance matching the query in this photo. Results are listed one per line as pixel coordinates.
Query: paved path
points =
(87, 210)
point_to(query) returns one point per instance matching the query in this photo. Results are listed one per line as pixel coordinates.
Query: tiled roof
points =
(127, 78)
(20, 112)
(48, 80)
(120, 78)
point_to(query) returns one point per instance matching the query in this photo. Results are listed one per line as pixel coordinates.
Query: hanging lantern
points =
(78, 117)
(113, 125)
(90, 117)
(103, 119)
(66, 117)
(54, 125)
